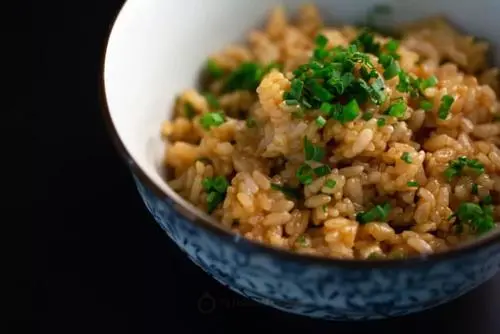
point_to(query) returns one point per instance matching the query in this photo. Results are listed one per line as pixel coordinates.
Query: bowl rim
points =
(228, 236)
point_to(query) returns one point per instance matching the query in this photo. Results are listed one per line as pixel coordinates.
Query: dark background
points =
(101, 262)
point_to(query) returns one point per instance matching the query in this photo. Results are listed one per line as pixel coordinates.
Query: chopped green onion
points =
(291, 102)
(380, 122)
(320, 121)
(392, 46)
(397, 255)
(375, 256)
(313, 152)
(321, 41)
(397, 109)
(216, 189)
(390, 65)
(426, 105)
(212, 100)
(367, 116)
(444, 107)
(251, 122)
(296, 88)
(189, 110)
(330, 183)
(213, 69)
(455, 167)
(377, 213)
(302, 241)
(326, 108)
(429, 82)
(246, 77)
(474, 189)
(211, 119)
(404, 85)
(412, 184)
(487, 200)
(292, 193)
(406, 157)
(213, 199)
(391, 70)
(304, 174)
(322, 170)
(349, 112)
(478, 217)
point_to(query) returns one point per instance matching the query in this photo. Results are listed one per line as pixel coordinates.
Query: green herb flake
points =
(426, 105)
(322, 170)
(457, 166)
(213, 69)
(479, 217)
(189, 110)
(390, 65)
(320, 121)
(251, 122)
(377, 213)
(330, 184)
(321, 41)
(302, 241)
(216, 188)
(246, 77)
(212, 100)
(444, 107)
(429, 82)
(397, 109)
(211, 119)
(367, 116)
(474, 189)
(406, 157)
(412, 184)
(313, 152)
(305, 174)
(392, 46)
(349, 112)
(380, 122)
(404, 85)
(291, 193)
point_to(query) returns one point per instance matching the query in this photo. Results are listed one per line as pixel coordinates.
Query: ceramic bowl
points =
(156, 49)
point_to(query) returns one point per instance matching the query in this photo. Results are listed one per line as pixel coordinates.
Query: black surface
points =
(101, 263)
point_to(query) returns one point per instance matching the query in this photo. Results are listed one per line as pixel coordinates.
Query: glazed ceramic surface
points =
(156, 49)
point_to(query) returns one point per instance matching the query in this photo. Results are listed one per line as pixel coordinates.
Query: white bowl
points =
(157, 48)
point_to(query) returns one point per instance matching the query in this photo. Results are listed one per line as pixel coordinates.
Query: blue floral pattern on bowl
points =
(321, 290)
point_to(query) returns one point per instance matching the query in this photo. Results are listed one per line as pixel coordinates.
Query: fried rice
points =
(380, 184)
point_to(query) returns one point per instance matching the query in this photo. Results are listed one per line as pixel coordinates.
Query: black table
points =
(102, 264)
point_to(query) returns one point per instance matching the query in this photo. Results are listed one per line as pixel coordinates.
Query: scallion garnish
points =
(380, 122)
(213, 69)
(330, 183)
(305, 174)
(292, 193)
(412, 184)
(211, 119)
(320, 121)
(397, 109)
(406, 157)
(212, 100)
(322, 170)
(444, 107)
(426, 105)
(479, 217)
(250, 122)
(313, 152)
(455, 167)
(216, 188)
(189, 110)
(377, 213)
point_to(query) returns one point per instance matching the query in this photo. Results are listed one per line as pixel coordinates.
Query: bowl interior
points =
(157, 48)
